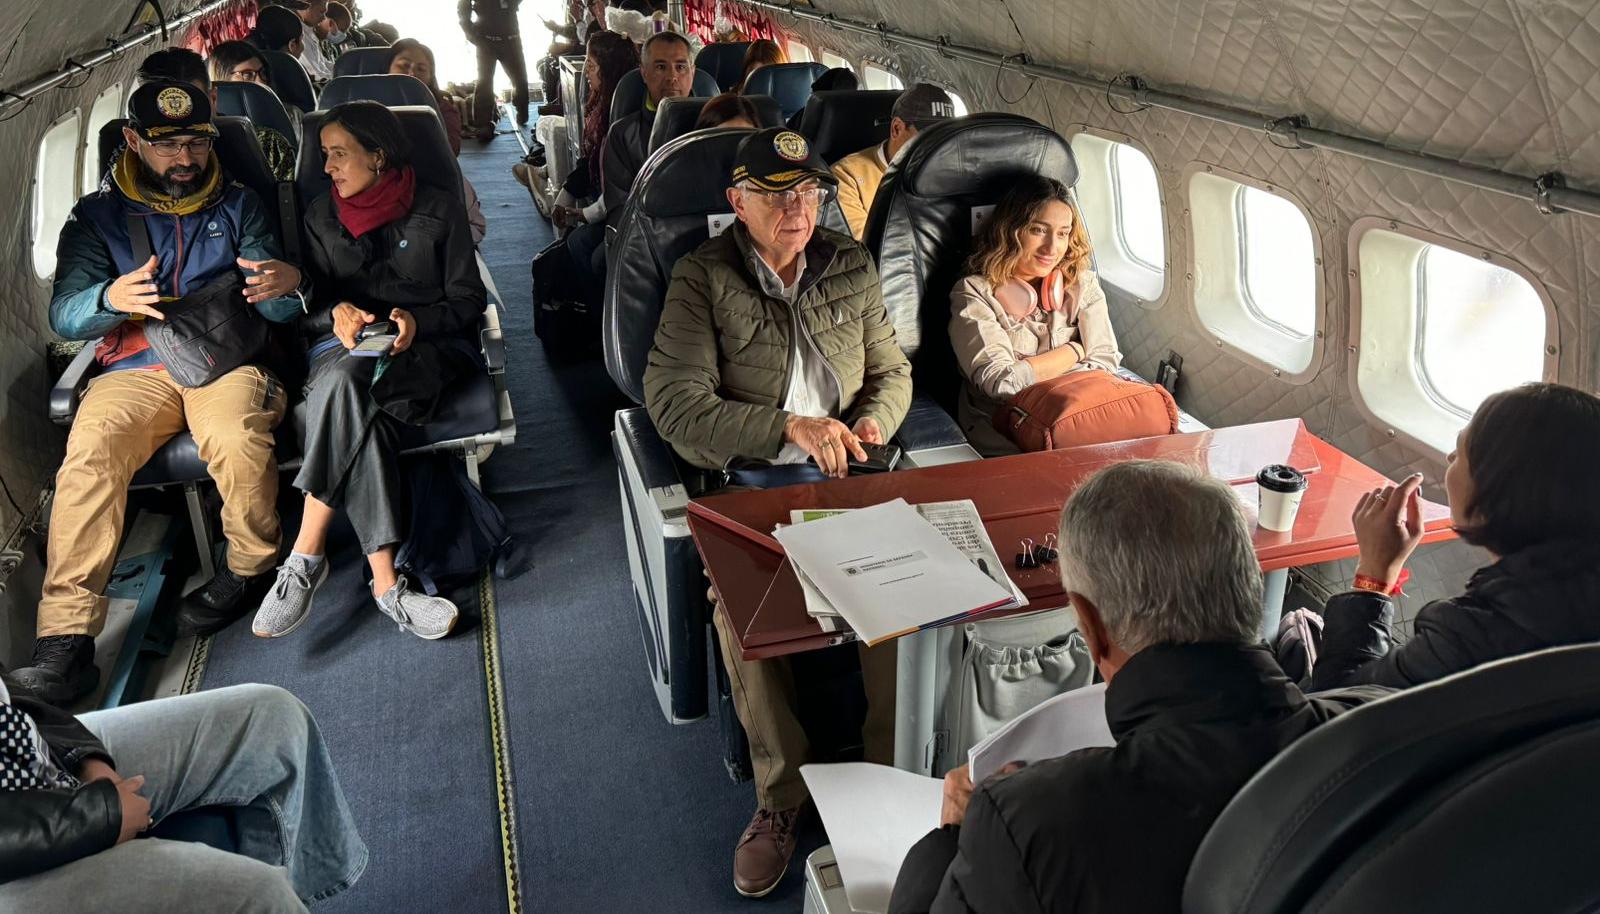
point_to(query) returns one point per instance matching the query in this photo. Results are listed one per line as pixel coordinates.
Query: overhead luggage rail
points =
(1548, 192)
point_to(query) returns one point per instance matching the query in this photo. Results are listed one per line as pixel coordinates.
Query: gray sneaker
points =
(288, 603)
(424, 616)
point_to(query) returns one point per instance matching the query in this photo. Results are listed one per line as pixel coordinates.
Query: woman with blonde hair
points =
(1032, 309)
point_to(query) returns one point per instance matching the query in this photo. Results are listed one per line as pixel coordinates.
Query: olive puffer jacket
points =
(719, 370)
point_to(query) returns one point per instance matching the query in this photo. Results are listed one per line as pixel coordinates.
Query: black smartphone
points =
(374, 339)
(881, 458)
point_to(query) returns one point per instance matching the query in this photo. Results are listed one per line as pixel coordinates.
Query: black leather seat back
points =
(724, 61)
(362, 62)
(841, 122)
(677, 116)
(680, 185)
(920, 227)
(431, 157)
(1477, 779)
(789, 83)
(629, 96)
(256, 103)
(389, 89)
(290, 81)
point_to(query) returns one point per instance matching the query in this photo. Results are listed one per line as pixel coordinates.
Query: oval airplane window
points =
(1120, 198)
(106, 108)
(1280, 262)
(55, 183)
(1482, 328)
(1138, 196)
(879, 78)
(799, 53)
(834, 62)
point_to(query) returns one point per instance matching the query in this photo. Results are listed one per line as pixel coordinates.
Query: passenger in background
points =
(729, 110)
(763, 52)
(610, 57)
(1522, 486)
(498, 39)
(76, 792)
(240, 61)
(1032, 309)
(1164, 579)
(277, 29)
(344, 34)
(410, 57)
(773, 349)
(205, 234)
(860, 173)
(314, 27)
(668, 73)
(383, 247)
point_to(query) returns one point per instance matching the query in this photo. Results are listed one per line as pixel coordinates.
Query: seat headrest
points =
(1345, 794)
(677, 116)
(256, 103)
(789, 83)
(845, 121)
(289, 80)
(389, 89)
(362, 62)
(678, 188)
(921, 221)
(629, 96)
(724, 61)
(431, 157)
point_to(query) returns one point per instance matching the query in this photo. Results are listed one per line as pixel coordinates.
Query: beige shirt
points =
(991, 348)
(859, 175)
(813, 390)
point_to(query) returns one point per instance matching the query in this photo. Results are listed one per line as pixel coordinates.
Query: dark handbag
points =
(208, 332)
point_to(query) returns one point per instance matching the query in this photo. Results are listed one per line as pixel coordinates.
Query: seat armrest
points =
(68, 390)
(927, 426)
(492, 341)
(658, 468)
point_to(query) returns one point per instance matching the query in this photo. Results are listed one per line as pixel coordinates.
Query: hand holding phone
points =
(374, 339)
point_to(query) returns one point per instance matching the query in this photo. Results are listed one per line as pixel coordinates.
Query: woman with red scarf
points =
(390, 257)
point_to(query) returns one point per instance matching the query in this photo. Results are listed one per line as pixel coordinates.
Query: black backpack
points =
(455, 530)
(564, 317)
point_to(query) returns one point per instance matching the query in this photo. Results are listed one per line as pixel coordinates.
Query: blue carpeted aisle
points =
(618, 810)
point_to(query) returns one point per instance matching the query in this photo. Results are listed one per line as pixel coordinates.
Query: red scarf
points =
(377, 206)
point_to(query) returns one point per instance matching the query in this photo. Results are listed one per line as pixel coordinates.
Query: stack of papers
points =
(891, 569)
(874, 813)
(960, 523)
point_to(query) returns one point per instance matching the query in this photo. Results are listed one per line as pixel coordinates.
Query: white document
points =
(888, 571)
(873, 814)
(1066, 723)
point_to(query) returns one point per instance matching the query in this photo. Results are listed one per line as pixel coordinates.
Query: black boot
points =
(221, 601)
(62, 670)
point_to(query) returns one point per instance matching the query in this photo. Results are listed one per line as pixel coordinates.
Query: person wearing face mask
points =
(860, 173)
(314, 28)
(774, 360)
(382, 247)
(343, 35)
(1032, 308)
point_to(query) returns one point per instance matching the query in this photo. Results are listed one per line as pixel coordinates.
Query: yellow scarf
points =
(126, 174)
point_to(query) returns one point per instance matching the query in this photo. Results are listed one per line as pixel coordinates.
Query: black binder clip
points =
(1046, 553)
(1029, 556)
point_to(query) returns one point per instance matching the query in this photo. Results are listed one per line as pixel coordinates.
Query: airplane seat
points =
(390, 89)
(841, 122)
(290, 80)
(724, 60)
(629, 96)
(431, 157)
(362, 62)
(789, 83)
(257, 104)
(676, 117)
(921, 225)
(1473, 793)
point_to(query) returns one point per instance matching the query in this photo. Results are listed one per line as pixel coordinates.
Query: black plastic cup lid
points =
(1280, 478)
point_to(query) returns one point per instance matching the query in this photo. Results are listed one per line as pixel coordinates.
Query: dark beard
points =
(153, 181)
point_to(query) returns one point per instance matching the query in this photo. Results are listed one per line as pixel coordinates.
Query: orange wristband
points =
(1363, 582)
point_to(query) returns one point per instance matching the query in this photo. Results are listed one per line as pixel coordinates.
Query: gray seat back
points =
(388, 89)
(362, 62)
(290, 80)
(257, 104)
(724, 61)
(841, 122)
(789, 83)
(677, 116)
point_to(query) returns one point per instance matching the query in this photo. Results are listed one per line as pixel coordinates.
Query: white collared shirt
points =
(813, 389)
(317, 65)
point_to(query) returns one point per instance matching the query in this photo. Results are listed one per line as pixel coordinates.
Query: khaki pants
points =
(764, 697)
(126, 416)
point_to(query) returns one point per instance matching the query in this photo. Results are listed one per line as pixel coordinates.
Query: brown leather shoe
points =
(762, 856)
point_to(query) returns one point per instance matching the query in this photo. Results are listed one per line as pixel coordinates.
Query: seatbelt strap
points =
(139, 241)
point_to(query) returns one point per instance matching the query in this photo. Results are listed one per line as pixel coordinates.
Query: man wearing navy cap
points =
(774, 360)
(202, 230)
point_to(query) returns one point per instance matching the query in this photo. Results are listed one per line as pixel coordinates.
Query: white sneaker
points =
(426, 617)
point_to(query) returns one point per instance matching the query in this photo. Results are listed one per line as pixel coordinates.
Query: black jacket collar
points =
(1183, 684)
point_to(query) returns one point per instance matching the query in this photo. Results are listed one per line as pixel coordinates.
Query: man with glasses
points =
(165, 193)
(774, 361)
(860, 173)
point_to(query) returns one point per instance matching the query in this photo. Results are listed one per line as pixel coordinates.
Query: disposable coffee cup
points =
(1282, 488)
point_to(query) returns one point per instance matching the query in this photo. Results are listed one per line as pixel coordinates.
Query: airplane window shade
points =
(1280, 273)
(55, 180)
(877, 78)
(107, 107)
(1120, 198)
(1482, 329)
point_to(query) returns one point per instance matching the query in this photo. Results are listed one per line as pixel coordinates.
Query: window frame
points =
(873, 65)
(36, 234)
(1115, 249)
(90, 153)
(789, 49)
(1257, 339)
(1435, 420)
(1245, 293)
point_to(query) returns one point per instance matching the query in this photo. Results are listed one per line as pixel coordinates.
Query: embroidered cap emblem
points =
(791, 146)
(174, 103)
(403, 242)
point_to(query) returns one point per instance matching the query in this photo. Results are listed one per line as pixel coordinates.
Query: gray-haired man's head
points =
(1156, 553)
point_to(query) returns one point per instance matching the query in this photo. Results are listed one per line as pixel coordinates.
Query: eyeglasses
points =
(248, 74)
(809, 197)
(170, 148)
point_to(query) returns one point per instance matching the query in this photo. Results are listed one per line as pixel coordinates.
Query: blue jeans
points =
(253, 747)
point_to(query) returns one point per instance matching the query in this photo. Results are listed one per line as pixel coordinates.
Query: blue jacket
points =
(190, 251)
